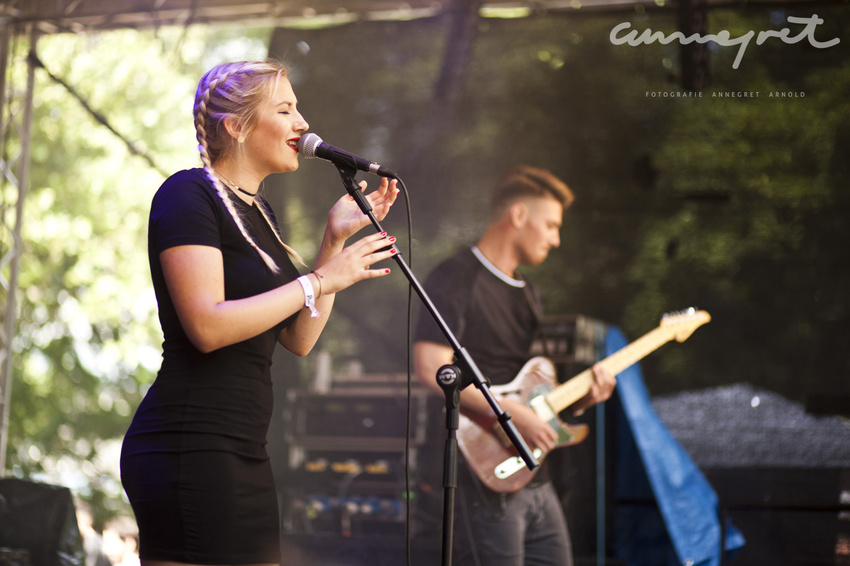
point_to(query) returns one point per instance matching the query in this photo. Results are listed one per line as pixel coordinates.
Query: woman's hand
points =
(345, 218)
(332, 274)
(354, 263)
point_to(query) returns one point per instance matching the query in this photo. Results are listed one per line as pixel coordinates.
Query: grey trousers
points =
(526, 528)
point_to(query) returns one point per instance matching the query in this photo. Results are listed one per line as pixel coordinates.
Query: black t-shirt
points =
(489, 313)
(221, 400)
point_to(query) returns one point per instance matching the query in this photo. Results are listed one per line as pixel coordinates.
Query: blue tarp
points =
(684, 528)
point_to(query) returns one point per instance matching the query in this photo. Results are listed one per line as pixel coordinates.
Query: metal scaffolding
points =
(16, 105)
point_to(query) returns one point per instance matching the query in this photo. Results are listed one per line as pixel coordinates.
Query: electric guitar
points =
(484, 443)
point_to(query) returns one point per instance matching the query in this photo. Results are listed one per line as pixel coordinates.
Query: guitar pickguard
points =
(566, 434)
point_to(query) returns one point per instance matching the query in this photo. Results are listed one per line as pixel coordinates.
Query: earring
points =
(241, 139)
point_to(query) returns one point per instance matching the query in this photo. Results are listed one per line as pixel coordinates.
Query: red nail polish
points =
(386, 271)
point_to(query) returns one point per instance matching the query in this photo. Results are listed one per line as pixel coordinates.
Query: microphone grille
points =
(307, 145)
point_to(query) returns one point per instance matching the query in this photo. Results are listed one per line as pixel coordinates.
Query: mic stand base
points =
(451, 381)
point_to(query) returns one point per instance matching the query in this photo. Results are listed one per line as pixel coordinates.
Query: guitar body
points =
(485, 445)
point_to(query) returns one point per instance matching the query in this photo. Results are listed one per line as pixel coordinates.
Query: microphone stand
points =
(452, 379)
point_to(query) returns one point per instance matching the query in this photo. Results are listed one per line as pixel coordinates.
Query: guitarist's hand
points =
(601, 390)
(535, 431)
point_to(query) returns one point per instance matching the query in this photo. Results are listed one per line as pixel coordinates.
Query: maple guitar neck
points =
(568, 393)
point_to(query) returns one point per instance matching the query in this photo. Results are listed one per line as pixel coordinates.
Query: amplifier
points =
(341, 472)
(347, 515)
(571, 340)
(357, 418)
(347, 455)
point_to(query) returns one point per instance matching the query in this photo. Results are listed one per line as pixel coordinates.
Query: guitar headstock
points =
(682, 324)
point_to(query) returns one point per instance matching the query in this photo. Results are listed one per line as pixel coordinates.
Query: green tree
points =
(757, 236)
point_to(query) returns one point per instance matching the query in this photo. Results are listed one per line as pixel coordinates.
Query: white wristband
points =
(309, 295)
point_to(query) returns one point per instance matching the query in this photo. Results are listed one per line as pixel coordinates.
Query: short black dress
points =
(194, 461)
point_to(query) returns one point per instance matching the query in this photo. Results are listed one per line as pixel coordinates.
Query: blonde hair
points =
(235, 90)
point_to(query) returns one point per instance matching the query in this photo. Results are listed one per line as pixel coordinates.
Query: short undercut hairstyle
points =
(525, 181)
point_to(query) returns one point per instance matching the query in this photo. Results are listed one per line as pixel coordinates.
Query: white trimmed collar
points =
(496, 271)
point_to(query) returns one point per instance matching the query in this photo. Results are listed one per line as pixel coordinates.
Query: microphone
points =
(311, 146)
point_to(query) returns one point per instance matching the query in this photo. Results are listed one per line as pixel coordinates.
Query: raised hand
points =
(345, 218)
(354, 263)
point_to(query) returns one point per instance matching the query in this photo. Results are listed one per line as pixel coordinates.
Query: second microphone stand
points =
(451, 378)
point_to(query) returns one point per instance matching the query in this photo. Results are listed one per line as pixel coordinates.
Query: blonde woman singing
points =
(194, 463)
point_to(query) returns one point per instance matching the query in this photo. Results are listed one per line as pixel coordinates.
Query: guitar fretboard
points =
(568, 393)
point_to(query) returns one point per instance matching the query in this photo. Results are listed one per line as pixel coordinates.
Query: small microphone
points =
(311, 146)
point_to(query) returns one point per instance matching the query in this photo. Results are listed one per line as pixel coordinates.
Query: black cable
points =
(409, 376)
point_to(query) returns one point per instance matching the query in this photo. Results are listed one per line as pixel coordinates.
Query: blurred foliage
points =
(734, 205)
(756, 234)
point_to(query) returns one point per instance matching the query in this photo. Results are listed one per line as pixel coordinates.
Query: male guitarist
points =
(494, 313)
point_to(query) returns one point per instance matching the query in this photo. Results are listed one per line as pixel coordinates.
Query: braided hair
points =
(235, 90)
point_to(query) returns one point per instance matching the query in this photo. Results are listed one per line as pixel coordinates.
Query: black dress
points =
(194, 462)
